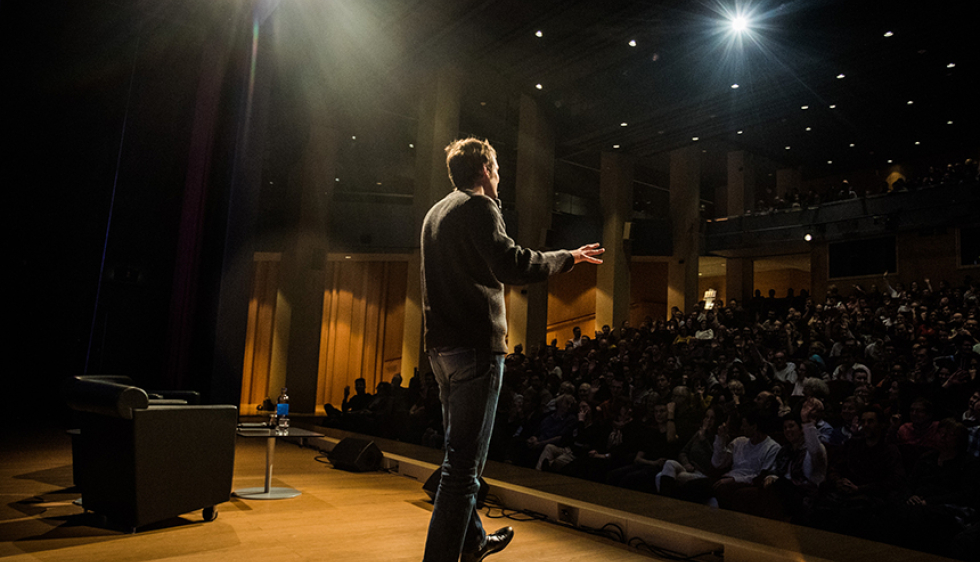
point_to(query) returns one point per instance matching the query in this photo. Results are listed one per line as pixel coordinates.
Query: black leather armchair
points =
(138, 463)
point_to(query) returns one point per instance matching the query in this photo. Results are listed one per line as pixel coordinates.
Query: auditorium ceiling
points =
(830, 85)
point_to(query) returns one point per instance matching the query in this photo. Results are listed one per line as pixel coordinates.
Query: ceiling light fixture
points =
(739, 132)
(632, 42)
(623, 124)
(694, 138)
(805, 107)
(539, 86)
(888, 34)
(740, 24)
(734, 86)
(539, 33)
(951, 65)
(787, 148)
(839, 76)
(833, 106)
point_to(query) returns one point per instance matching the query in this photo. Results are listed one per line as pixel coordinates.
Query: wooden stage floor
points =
(340, 516)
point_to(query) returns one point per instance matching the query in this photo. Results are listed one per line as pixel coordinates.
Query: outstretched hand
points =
(588, 253)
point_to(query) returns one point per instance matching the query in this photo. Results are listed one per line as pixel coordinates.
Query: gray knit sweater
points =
(467, 258)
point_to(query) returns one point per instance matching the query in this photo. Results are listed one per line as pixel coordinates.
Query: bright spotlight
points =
(740, 24)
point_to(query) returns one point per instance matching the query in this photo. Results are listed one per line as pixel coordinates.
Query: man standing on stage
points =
(467, 258)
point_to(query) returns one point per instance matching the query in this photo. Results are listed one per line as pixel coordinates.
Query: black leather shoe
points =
(495, 543)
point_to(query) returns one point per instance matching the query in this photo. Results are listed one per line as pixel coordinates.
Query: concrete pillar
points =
(819, 270)
(299, 309)
(685, 214)
(741, 194)
(787, 180)
(739, 280)
(438, 126)
(527, 309)
(612, 298)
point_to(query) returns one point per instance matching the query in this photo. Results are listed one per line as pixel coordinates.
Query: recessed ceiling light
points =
(809, 129)
(889, 161)
(739, 132)
(910, 102)
(336, 179)
(353, 137)
(852, 145)
(410, 145)
(888, 34)
(839, 76)
(734, 86)
(949, 122)
(833, 106)
(917, 143)
(830, 161)
(632, 42)
(346, 257)
(951, 65)
(808, 237)
(539, 86)
(805, 107)
(623, 124)
(694, 138)
(615, 146)
(787, 148)
(539, 33)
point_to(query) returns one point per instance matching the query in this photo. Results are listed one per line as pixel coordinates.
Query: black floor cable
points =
(612, 531)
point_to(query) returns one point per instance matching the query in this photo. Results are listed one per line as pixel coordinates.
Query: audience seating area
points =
(885, 377)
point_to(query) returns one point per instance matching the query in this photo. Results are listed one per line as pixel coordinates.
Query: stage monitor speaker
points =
(356, 455)
(432, 485)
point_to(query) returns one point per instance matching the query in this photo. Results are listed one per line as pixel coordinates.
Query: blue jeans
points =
(469, 383)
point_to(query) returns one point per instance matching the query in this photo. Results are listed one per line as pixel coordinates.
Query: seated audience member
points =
(654, 439)
(847, 427)
(617, 389)
(789, 490)
(687, 413)
(361, 398)
(824, 429)
(943, 490)
(785, 372)
(587, 431)
(609, 448)
(694, 460)
(971, 417)
(867, 473)
(922, 432)
(741, 459)
(552, 430)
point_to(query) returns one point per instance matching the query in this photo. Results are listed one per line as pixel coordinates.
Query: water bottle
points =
(282, 411)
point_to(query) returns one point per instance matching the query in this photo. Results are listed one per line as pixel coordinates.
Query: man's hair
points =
(876, 410)
(466, 158)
